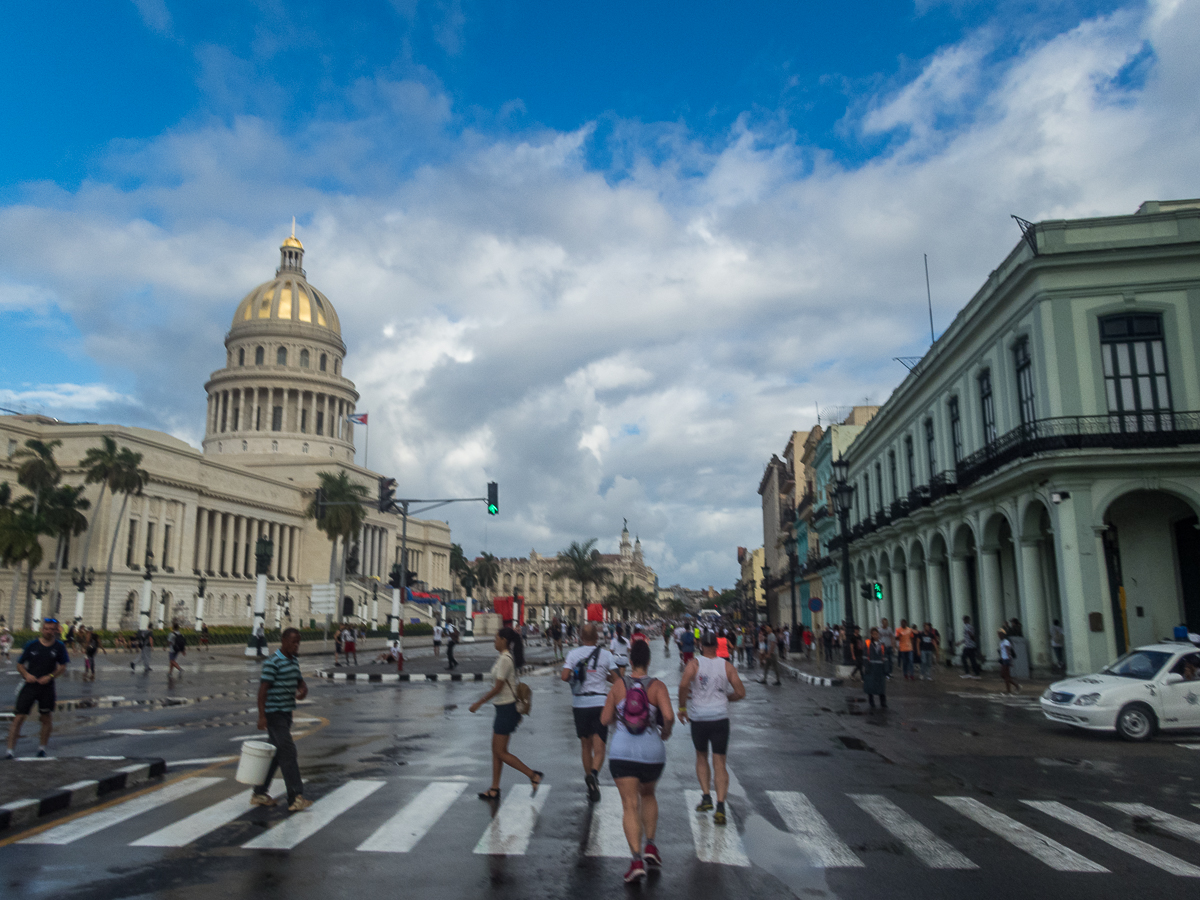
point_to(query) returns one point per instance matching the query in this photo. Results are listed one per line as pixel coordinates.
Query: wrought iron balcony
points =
(1133, 431)
(943, 484)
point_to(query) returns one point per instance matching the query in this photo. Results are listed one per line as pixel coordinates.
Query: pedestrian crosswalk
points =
(949, 833)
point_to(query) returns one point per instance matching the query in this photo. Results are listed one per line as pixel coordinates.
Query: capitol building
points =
(277, 414)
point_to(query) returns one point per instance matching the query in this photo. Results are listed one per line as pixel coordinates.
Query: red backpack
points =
(638, 712)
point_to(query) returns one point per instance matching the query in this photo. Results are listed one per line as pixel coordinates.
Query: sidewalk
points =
(31, 788)
(474, 661)
(945, 678)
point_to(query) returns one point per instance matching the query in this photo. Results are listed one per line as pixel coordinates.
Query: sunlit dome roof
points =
(288, 297)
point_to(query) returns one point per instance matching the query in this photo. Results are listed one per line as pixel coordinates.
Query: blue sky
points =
(628, 247)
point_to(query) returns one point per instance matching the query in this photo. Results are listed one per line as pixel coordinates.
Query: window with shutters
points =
(1024, 368)
(910, 462)
(987, 408)
(930, 449)
(956, 440)
(892, 475)
(1136, 381)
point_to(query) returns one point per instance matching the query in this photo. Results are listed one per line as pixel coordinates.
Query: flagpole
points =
(366, 445)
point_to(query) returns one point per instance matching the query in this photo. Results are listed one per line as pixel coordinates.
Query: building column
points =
(224, 539)
(286, 549)
(900, 591)
(248, 550)
(1034, 613)
(235, 566)
(916, 600)
(960, 596)
(991, 603)
(206, 524)
(937, 599)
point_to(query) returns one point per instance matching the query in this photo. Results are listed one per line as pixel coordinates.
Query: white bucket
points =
(256, 760)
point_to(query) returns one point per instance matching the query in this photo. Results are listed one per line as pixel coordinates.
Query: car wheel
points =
(1136, 722)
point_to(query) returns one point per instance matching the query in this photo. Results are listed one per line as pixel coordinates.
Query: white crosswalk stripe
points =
(715, 843)
(816, 839)
(606, 835)
(114, 815)
(1140, 849)
(1021, 836)
(301, 826)
(510, 830)
(1167, 822)
(925, 845)
(404, 830)
(207, 820)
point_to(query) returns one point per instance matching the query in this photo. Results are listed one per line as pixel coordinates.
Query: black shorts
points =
(646, 773)
(717, 732)
(42, 694)
(587, 722)
(507, 718)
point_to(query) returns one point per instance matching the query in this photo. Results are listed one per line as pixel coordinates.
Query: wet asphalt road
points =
(813, 774)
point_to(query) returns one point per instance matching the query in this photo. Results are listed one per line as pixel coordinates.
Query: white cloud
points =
(60, 398)
(635, 346)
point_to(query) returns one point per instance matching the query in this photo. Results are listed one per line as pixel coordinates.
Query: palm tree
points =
(581, 563)
(20, 533)
(487, 571)
(624, 597)
(98, 465)
(677, 607)
(126, 476)
(344, 518)
(38, 472)
(64, 514)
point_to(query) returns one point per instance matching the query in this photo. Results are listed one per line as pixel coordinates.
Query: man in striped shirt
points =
(280, 686)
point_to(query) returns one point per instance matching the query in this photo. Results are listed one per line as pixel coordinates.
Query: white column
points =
(990, 601)
(394, 619)
(201, 538)
(285, 554)
(162, 609)
(469, 630)
(223, 537)
(1034, 614)
(937, 598)
(960, 595)
(200, 609)
(144, 611)
(237, 560)
(916, 603)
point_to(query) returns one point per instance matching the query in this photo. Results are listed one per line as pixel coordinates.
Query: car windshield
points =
(1140, 664)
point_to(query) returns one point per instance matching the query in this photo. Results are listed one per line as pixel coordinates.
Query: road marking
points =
(511, 827)
(606, 837)
(1140, 849)
(1189, 746)
(1174, 824)
(715, 843)
(248, 737)
(202, 761)
(300, 826)
(812, 832)
(197, 825)
(1037, 845)
(140, 731)
(98, 821)
(401, 832)
(925, 845)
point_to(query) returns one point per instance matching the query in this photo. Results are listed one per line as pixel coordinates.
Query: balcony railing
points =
(804, 505)
(943, 484)
(1119, 432)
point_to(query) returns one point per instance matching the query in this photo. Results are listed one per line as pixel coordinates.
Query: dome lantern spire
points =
(291, 254)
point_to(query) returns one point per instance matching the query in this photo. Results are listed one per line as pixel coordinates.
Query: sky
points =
(607, 255)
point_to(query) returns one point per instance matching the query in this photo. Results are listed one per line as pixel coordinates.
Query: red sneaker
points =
(650, 855)
(637, 872)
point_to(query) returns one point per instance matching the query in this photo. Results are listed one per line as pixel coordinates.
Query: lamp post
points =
(147, 587)
(843, 495)
(374, 604)
(39, 590)
(394, 618)
(82, 580)
(200, 586)
(264, 549)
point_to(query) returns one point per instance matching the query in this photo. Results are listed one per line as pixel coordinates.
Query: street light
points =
(200, 587)
(843, 495)
(38, 590)
(793, 566)
(82, 580)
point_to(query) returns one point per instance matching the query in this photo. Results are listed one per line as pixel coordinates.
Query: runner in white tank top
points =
(708, 685)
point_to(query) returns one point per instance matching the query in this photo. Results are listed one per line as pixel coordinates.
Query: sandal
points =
(490, 794)
(536, 780)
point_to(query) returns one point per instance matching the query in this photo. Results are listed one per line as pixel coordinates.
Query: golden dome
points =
(287, 298)
(291, 241)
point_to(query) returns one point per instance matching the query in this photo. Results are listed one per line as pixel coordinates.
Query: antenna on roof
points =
(928, 296)
(294, 234)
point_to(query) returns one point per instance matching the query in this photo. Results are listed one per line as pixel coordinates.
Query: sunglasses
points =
(50, 621)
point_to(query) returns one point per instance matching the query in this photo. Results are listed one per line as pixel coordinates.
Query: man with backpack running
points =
(708, 685)
(687, 645)
(588, 670)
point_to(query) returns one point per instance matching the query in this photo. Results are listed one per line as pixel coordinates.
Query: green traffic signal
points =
(878, 591)
(493, 500)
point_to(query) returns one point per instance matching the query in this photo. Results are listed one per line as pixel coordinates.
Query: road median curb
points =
(815, 680)
(416, 678)
(79, 793)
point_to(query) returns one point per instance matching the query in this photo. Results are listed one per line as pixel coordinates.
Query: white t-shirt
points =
(595, 686)
(1056, 636)
(708, 692)
(1006, 650)
(437, 634)
(619, 649)
(679, 632)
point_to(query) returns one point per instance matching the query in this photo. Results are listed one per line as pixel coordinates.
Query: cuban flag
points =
(358, 419)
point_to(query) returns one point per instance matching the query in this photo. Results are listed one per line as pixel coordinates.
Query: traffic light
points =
(878, 590)
(493, 498)
(319, 505)
(387, 494)
(865, 591)
(394, 578)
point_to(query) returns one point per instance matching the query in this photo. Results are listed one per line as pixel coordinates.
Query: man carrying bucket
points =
(281, 685)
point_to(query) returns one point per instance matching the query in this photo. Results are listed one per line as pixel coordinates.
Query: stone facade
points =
(276, 416)
(533, 578)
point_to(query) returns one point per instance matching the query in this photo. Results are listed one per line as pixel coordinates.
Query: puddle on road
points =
(777, 853)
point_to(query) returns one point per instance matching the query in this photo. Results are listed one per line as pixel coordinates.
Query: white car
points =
(1150, 688)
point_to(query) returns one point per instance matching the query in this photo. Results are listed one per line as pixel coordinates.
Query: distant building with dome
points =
(277, 415)
(547, 596)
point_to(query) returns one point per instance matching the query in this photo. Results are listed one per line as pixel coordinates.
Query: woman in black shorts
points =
(503, 695)
(636, 756)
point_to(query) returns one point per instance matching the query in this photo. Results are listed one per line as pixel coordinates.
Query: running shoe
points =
(593, 788)
(705, 804)
(257, 799)
(719, 818)
(41, 754)
(637, 872)
(299, 805)
(651, 856)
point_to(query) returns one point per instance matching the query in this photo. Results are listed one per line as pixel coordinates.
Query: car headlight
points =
(1046, 695)
(1088, 700)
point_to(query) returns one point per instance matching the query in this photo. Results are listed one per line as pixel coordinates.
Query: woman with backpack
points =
(504, 696)
(641, 708)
